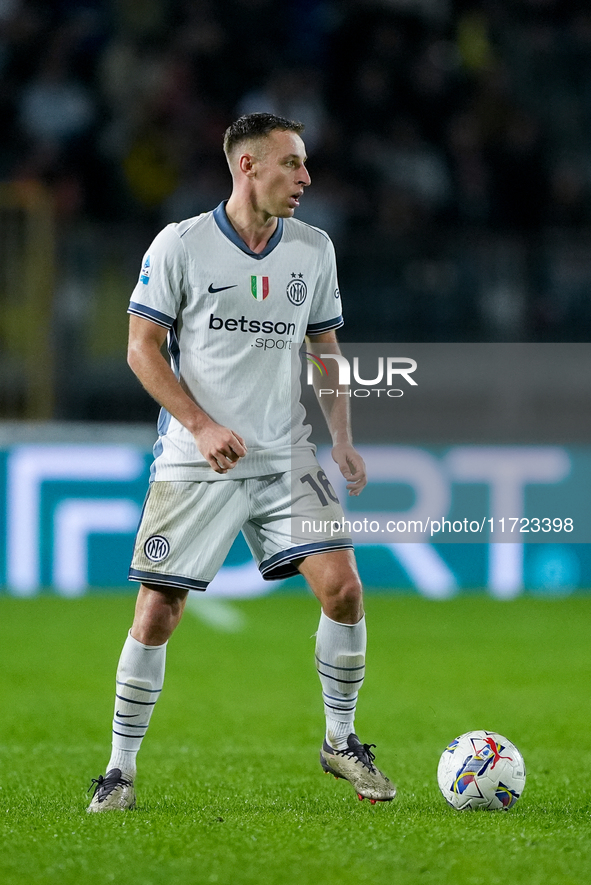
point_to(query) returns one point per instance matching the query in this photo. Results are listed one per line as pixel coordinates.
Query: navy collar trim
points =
(223, 222)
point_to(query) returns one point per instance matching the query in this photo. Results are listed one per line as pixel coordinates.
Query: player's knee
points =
(158, 612)
(344, 599)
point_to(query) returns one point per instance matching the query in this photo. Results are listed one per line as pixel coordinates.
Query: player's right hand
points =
(220, 446)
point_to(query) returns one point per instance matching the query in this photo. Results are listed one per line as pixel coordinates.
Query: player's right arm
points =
(220, 446)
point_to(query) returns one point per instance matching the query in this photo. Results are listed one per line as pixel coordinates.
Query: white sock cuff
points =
(336, 638)
(360, 625)
(142, 665)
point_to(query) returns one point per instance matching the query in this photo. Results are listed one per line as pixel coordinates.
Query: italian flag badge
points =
(259, 287)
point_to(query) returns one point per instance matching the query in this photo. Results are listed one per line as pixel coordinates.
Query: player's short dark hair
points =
(257, 126)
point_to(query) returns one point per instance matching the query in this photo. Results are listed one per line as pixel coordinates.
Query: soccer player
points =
(236, 291)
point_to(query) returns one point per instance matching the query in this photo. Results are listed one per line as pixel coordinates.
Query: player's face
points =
(281, 174)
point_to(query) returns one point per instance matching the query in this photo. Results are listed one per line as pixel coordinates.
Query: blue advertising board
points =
(433, 520)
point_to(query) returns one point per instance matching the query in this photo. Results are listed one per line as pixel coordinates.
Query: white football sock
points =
(140, 676)
(340, 661)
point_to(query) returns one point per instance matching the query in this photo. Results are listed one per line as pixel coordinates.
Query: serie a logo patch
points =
(146, 271)
(156, 548)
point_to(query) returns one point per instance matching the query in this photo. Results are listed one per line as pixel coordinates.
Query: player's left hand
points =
(352, 466)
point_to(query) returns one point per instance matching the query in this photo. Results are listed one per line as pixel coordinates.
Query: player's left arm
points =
(337, 412)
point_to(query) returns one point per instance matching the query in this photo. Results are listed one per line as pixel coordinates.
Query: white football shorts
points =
(187, 528)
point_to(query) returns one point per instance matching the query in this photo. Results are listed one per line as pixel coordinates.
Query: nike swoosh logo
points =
(126, 715)
(213, 290)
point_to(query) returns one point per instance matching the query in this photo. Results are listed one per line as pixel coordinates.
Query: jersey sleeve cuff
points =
(148, 313)
(324, 326)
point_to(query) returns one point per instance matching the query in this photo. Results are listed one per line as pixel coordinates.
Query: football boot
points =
(113, 792)
(356, 765)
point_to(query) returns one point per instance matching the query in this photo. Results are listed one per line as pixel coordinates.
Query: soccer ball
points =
(481, 769)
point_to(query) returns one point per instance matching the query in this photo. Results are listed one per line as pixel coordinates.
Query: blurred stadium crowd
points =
(449, 144)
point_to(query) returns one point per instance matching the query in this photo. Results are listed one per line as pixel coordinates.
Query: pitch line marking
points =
(216, 613)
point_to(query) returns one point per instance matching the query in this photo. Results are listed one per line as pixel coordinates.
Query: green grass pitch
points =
(229, 786)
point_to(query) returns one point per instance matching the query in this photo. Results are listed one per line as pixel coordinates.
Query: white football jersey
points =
(236, 322)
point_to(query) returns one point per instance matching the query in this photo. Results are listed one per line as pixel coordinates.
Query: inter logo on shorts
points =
(297, 290)
(156, 548)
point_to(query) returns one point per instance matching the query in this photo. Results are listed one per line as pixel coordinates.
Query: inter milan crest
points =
(156, 548)
(297, 289)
